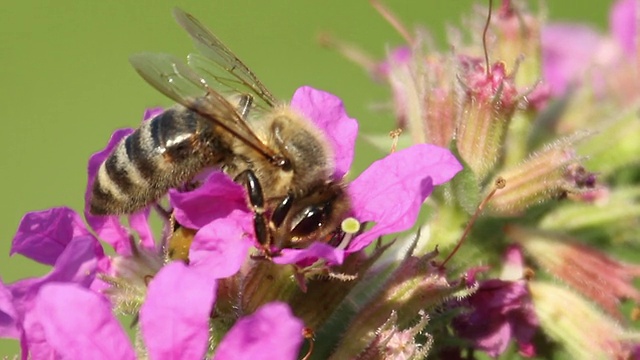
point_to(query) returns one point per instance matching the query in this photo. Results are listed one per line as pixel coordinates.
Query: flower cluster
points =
(533, 137)
(550, 113)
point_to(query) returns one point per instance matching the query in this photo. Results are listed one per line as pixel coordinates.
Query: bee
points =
(225, 118)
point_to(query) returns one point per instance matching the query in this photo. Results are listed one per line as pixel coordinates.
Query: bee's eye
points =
(310, 219)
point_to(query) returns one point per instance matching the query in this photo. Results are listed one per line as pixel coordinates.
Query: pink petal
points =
(108, 228)
(391, 191)
(78, 261)
(317, 250)
(43, 235)
(174, 319)
(271, 333)
(397, 57)
(221, 247)
(33, 341)
(76, 264)
(215, 198)
(8, 314)
(150, 113)
(494, 342)
(513, 265)
(139, 222)
(106, 267)
(78, 324)
(624, 23)
(327, 112)
(567, 52)
(524, 326)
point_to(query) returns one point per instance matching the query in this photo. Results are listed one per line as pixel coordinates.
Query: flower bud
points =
(543, 176)
(598, 277)
(615, 145)
(583, 331)
(517, 40)
(416, 285)
(391, 342)
(488, 102)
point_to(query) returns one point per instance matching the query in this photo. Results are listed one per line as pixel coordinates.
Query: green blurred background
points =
(66, 84)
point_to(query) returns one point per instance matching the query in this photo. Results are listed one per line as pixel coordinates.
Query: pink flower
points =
(75, 323)
(570, 51)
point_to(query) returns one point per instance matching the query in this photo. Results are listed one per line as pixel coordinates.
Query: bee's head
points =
(312, 217)
(303, 146)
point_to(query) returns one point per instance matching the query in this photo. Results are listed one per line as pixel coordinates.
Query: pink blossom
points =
(75, 323)
(570, 51)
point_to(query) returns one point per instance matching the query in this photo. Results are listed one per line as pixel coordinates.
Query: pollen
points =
(350, 225)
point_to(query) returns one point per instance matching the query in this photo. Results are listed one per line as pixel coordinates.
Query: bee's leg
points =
(281, 211)
(244, 105)
(256, 199)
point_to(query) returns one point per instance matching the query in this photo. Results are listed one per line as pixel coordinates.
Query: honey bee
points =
(280, 156)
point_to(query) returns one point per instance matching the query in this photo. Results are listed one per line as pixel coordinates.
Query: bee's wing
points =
(219, 62)
(178, 81)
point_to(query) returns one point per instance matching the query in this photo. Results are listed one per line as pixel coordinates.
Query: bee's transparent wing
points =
(181, 83)
(219, 63)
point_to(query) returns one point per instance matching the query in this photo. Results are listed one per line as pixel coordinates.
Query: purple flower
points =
(54, 237)
(59, 238)
(500, 310)
(75, 323)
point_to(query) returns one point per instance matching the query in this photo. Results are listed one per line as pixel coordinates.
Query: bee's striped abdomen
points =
(164, 152)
